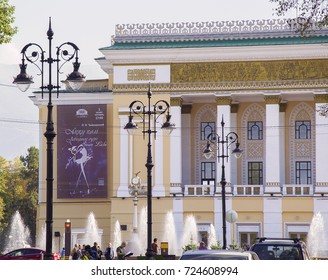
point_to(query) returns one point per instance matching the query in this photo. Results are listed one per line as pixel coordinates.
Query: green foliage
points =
(217, 246)
(190, 246)
(308, 13)
(7, 31)
(19, 190)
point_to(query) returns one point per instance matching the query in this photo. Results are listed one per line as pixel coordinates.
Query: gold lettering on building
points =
(141, 74)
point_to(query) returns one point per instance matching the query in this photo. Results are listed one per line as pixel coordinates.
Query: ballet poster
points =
(81, 151)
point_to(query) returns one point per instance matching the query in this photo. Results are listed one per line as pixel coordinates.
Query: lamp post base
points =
(150, 255)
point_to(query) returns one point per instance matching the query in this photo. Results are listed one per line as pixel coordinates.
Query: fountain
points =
(92, 233)
(316, 239)
(41, 238)
(138, 243)
(170, 234)
(212, 240)
(19, 234)
(190, 232)
(117, 235)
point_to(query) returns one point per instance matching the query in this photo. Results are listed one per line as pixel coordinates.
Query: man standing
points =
(120, 251)
(109, 253)
(154, 246)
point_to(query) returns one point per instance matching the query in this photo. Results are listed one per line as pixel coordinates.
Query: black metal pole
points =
(149, 165)
(50, 135)
(223, 185)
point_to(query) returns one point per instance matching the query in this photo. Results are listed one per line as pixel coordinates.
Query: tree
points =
(7, 31)
(30, 174)
(19, 181)
(309, 14)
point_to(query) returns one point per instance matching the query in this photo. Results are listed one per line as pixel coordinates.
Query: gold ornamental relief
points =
(249, 71)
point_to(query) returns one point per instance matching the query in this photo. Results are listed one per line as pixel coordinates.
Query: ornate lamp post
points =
(149, 115)
(225, 141)
(23, 81)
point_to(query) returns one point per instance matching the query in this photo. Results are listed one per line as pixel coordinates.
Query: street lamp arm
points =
(65, 55)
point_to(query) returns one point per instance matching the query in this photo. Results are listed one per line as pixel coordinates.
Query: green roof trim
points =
(217, 43)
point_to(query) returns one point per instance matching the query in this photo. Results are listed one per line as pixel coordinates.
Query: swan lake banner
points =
(81, 151)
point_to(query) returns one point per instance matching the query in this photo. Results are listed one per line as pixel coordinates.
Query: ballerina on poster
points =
(79, 157)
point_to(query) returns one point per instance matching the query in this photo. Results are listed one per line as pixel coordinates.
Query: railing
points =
(298, 190)
(198, 190)
(246, 190)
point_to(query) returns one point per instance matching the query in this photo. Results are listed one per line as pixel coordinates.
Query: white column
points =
(272, 219)
(321, 151)
(272, 145)
(178, 219)
(176, 148)
(223, 110)
(124, 159)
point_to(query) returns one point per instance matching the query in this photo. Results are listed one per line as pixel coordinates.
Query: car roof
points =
(290, 241)
(207, 252)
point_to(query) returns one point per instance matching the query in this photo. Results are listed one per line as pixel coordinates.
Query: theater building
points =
(264, 80)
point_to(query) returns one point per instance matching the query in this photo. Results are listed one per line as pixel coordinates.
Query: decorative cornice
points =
(223, 100)
(272, 99)
(321, 98)
(223, 87)
(202, 31)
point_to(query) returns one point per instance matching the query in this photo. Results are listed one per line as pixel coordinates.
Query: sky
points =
(90, 25)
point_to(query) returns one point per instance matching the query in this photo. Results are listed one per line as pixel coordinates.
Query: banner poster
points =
(81, 151)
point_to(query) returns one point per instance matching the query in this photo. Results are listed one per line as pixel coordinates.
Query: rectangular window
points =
(255, 173)
(303, 130)
(255, 130)
(303, 172)
(206, 129)
(208, 172)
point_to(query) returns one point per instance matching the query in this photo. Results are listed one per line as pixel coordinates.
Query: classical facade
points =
(262, 78)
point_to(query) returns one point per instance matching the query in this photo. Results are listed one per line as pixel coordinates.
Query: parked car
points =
(26, 254)
(280, 249)
(218, 255)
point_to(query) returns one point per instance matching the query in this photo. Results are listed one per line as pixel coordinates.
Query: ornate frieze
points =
(250, 71)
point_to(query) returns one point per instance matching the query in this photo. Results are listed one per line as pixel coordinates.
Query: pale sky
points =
(90, 25)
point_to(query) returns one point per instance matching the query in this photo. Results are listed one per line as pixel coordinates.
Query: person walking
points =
(109, 253)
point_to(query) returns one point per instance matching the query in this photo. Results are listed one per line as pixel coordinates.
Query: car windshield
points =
(278, 252)
(213, 257)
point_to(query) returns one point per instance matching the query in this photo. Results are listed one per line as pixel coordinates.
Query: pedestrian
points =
(202, 246)
(62, 253)
(75, 252)
(120, 251)
(154, 246)
(95, 251)
(109, 253)
(87, 255)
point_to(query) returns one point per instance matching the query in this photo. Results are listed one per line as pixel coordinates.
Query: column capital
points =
(272, 99)
(176, 101)
(223, 100)
(321, 98)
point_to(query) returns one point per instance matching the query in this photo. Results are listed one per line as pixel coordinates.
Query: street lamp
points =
(23, 81)
(225, 141)
(149, 114)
